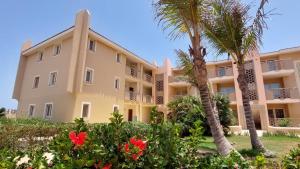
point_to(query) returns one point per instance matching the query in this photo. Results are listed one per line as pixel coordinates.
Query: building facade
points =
(80, 73)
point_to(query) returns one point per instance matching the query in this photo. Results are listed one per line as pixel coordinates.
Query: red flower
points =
(107, 166)
(138, 145)
(79, 139)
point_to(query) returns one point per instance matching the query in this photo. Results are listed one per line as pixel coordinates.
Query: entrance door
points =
(129, 114)
(257, 121)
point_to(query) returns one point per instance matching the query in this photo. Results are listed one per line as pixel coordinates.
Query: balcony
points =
(131, 96)
(222, 74)
(231, 96)
(148, 99)
(178, 81)
(282, 95)
(173, 97)
(131, 72)
(277, 68)
(148, 78)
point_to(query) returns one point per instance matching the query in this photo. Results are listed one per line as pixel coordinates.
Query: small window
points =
(56, 50)
(85, 110)
(89, 73)
(117, 83)
(31, 110)
(36, 82)
(118, 58)
(115, 108)
(48, 110)
(92, 45)
(52, 78)
(40, 56)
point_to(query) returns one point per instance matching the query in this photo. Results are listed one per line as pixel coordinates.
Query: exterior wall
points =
(70, 91)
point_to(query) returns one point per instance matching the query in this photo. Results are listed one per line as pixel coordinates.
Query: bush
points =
(283, 122)
(187, 110)
(115, 145)
(232, 161)
(292, 160)
(2, 112)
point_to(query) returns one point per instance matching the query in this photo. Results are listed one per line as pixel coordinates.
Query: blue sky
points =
(129, 23)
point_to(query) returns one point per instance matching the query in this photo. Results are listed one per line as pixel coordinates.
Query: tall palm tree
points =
(184, 17)
(230, 30)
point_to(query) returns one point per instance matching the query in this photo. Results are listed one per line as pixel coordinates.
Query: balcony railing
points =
(285, 122)
(131, 71)
(174, 79)
(173, 97)
(148, 78)
(131, 96)
(231, 96)
(221, 72)
(282, 93)
(148, 99)
(276, 65)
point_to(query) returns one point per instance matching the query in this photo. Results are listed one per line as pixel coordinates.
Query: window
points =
(118, 58)
(40, 56)
(279, 113)
(48, 109)
(117, 83)
(52, 78)
(36, 82)
(89, 73)
(92, 45)
(221, 71)
(31, 110)
(160, 85)
(56, 50)
(115, 108)
(227, 90)
(85, 111)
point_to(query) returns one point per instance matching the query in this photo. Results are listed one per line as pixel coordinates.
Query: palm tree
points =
(230, 30)
(184, 17)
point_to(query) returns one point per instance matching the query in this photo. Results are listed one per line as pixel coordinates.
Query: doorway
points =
(257, 121)
(130, 114)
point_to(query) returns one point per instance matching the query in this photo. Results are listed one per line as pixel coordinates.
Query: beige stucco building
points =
(80, 73)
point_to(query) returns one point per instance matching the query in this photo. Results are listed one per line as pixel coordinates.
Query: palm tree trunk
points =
(200, 71)
(255, 142)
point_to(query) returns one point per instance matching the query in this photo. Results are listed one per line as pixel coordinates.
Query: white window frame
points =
(33, 85)
(49, 80)
(120, 57)
(92, 75)
(54, 49)
(117, 78)
(45, 115)
(89, 42)
(39, 56)
(89, 111)
(115, 105)
(29, 106)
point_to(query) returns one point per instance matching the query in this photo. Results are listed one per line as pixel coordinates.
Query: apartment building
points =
(80, 73)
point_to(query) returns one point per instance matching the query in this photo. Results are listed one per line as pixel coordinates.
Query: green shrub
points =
(2, 112)
(292, 160)
(283, 122)
(232, 161)
(187, 110)
(260, 161)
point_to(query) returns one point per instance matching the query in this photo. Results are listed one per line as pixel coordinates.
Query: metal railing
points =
(173, 97)
(131, 96)
(284, 122)
(276, 65)
(131, 71)
(175, 79)
(148, 78)
(282, 93)
(147, 99)
(221, 72)
(231, 96)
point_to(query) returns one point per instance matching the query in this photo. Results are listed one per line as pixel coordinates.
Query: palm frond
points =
(186, 62)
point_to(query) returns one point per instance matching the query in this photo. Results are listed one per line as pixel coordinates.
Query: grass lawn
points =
(278, 144)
